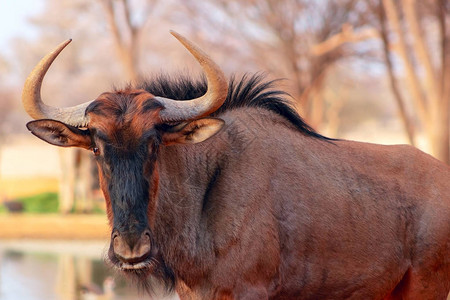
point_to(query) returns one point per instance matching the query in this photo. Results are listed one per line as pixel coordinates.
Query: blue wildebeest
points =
(230, 195)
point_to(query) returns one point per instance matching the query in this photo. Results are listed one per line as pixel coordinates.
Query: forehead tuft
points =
(124, 116)
(121, 103)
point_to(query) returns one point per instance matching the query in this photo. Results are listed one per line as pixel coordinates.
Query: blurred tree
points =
(4, 67)
(74, 71)
(81, 66)
(282, 35)
(127, 22)
(413, 32)
(7, 104)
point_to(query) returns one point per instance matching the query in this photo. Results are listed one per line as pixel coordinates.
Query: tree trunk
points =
(406, 120)
(444, 18)
(430, 100)
(411, 77)
(438, 108)
(2, 194)
(84, 182)
(126, 40)
(440, 139)
(66, 180)
(314, 105)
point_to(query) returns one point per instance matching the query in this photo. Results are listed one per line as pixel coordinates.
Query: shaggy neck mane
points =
(249, 91)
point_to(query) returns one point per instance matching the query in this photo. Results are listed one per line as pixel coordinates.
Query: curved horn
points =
(208, 103)
(31, 95)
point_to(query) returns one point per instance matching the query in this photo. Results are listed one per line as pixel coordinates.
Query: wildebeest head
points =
(125, 129)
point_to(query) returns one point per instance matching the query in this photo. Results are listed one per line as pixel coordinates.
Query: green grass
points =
(45, 203)
(97, 210)
(41, 203)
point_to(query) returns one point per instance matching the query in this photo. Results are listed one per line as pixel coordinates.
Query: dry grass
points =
(22, 187)
(45, 226)
(13, 226)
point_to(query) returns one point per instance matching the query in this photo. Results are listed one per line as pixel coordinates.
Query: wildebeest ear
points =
(194, 132)
(60, 134)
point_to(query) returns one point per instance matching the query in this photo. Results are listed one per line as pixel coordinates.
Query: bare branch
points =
(347, 35)
(411, 76)
(109, 9)
(127, 49)
(129, 25)
(407, 123)
(423, 56)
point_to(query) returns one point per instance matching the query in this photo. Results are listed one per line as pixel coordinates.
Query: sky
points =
(13, 19)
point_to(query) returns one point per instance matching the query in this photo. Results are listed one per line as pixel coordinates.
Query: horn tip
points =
(177, 35)
(63, 45)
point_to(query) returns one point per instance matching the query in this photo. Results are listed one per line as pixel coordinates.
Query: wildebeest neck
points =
(189, 177)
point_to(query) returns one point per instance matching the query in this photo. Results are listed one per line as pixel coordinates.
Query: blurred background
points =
(372, 70)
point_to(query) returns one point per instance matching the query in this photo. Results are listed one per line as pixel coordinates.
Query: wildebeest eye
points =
(96, 151)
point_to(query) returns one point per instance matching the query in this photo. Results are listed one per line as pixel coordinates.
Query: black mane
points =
(249, 91)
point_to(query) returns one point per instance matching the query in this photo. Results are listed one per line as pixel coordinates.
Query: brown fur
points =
(263, 211)
(293, 217)
(332, 220)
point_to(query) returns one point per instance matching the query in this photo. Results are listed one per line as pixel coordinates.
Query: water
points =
(54, 270)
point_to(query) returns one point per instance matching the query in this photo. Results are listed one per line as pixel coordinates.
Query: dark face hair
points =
(126, 174)
(124, 147)
(125, 143)
(128, 187)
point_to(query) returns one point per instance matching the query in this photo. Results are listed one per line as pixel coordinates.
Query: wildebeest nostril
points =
(146, 235)
(131, 250)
